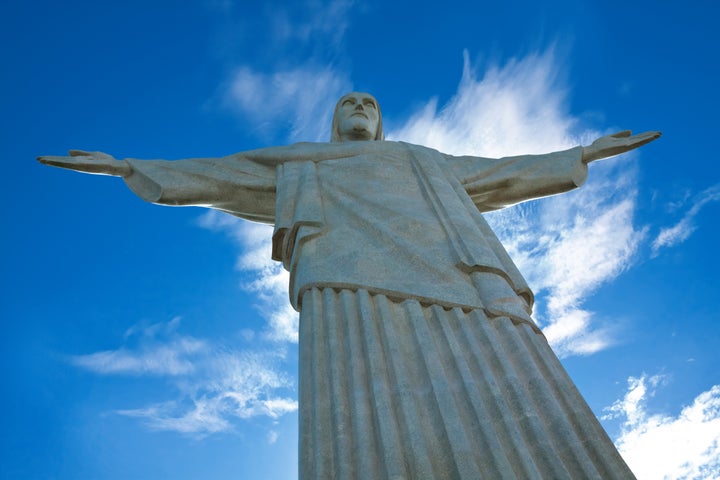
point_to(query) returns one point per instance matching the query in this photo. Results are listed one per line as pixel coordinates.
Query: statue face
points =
(358, 117)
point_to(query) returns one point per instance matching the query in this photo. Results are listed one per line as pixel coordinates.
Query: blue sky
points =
(150, 342)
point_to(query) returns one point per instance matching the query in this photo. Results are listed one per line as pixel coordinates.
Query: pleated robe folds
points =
(418, 356)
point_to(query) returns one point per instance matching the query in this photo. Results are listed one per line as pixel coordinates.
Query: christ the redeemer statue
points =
(418, 356)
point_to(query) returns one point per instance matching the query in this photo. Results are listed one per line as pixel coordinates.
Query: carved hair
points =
(335, 134)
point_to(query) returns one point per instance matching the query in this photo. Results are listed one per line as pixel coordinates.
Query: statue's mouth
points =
(359, 113)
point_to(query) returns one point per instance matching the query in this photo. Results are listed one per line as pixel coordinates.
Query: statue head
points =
(357, 117)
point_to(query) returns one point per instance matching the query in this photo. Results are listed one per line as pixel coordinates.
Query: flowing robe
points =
(418, 356)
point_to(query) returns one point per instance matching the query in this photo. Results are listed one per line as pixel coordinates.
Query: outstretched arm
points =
(237, 184)
(615, 144)
(496, 183)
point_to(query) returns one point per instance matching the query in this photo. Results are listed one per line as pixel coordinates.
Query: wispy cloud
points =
(215, 385)
(174, 356)
(269, 281)
(312, 22)
(516, 108)
(234, 385)
(566, 246)
(681, 231)
(585, 239)
(660, 446)
(300, 99)
(298, 94)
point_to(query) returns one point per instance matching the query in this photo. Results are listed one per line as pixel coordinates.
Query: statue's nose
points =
(359, 106)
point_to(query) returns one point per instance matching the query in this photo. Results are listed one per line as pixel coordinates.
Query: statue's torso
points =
(393, 221)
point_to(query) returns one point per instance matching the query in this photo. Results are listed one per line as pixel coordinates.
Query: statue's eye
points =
(369, 104)
(347, 102)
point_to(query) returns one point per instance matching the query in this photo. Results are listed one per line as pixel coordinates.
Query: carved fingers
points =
(644, 138)
(617, 143)
(89, 162)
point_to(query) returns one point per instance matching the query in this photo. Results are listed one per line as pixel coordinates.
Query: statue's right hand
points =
(90, 162)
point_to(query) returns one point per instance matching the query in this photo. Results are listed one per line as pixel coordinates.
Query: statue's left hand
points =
(616, 144)
(90, 162)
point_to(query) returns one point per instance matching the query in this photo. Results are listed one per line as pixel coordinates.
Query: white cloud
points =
(681, 231)
(660, 446)
(173, 358)
(174, 416)
(586, 239)
(243, 380)
(297, 95)
(215, 386)
(312, 22)
(300, 99)
(566, 246)
(270, 280)
(233, 385)
(143, 330)
(514, 109)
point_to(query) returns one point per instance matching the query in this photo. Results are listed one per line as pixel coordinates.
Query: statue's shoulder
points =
(420, 149)
(345, 149)
(321, 151)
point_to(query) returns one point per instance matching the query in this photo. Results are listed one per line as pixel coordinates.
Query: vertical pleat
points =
(416, 429)
(390, 431)
(597, 445)
(397, 390)
(560, 436)
(504, 452)
(526, 419)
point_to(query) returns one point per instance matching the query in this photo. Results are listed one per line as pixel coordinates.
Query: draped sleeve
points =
(244, 184)
(497, 183)
(236, 184)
